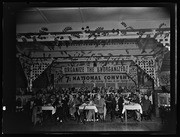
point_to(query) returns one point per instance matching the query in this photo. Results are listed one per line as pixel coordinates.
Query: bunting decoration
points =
(70, 39)
(124, 24)
(127, 51)
(66, 29)
(162, 24)
(98, 29)
(77, 35)
(127, 27)
(140, 33)
(87, 30)
(34, 39)
(56, 41)
(24, 39)
(130, 27)
(123, 32)
(44, 29)
(89, 52)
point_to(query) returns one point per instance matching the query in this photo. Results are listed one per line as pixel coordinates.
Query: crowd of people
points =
(67, 101)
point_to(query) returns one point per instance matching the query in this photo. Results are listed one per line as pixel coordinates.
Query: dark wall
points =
(21, 81)
(42, 81)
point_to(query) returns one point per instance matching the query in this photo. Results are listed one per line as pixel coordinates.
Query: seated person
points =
(37, 115)
(135, 99)
(91, 113)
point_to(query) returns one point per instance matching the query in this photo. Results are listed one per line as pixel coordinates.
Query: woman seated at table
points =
(135, 99)
(90, 113)
(72, 106)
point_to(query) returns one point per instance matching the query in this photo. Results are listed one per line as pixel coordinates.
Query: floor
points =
(24, 125)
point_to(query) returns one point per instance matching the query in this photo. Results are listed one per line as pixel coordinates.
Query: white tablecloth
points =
(132, 107)
(86, 107)
(49, 108)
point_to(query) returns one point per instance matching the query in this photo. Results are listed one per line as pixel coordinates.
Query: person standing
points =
(117, 106)
(65, 106)
(100, 104)
(145, 105)
(59, 109)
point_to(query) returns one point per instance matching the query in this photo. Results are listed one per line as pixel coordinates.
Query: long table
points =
(134, 106)
(89, 107)
(49, 108)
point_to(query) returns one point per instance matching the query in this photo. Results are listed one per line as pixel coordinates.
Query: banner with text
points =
(98, 69)
(90, 78)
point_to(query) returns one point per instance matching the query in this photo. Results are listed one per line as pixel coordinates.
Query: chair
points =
(37, 115)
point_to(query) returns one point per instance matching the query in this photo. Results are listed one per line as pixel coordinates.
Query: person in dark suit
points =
(146, 103)
(117, 106)
(38, 101)
(65, 106)
(59, 109)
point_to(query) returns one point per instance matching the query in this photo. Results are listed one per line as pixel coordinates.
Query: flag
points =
(143, 51)
(56, 41)
(76, 35)
(130, 28)
(92, 54)
(109, 54)
(34, 39)
(99, 29)
(123, 32)
(82, 52)
(124, 24)
(139, 43)
(140, 32)
(65, 52)
(44, 29)
(100, 54)
(66, 29)
(166, 35)
(127, 51)
(70, 39)
(24, 39)
(89, 52)
(162, 24)
(145, 43)
(90, 35)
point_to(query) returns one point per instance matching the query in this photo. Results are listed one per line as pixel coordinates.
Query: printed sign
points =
(99, 69)
(98, 78)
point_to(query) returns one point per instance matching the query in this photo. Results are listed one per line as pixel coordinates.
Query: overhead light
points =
(4, 108)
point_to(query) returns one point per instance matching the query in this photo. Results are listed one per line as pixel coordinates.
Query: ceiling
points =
(89, 14)
(92, 14)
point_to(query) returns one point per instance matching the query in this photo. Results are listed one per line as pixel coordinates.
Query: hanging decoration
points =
(66, 29)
